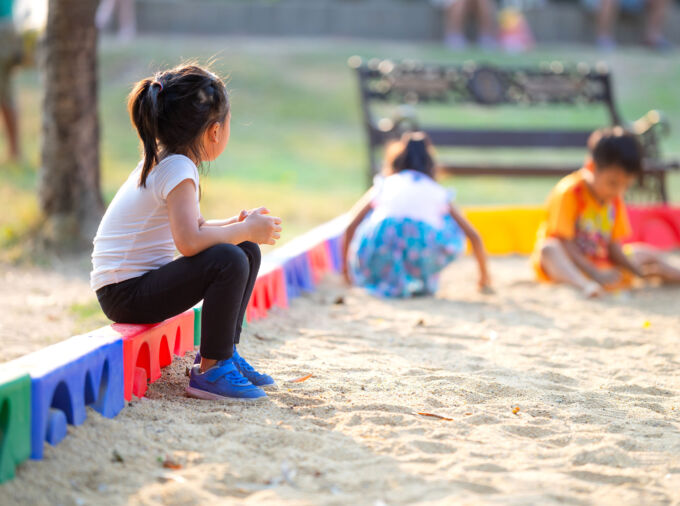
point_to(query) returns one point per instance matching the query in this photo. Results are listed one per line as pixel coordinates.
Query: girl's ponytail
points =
(416, 156)
(173, 110)
(143, 105)
(412, 152)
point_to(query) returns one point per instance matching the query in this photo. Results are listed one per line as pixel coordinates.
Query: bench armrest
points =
(649, 129)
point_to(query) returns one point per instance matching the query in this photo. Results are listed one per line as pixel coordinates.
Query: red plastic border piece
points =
(320, 261)
(658, 226)
(148, 348)
(269, 291)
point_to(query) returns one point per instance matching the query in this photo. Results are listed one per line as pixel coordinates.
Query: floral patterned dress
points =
(400, 248)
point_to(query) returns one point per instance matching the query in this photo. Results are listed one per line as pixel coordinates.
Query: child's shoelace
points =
(244, 365)
(232, 375)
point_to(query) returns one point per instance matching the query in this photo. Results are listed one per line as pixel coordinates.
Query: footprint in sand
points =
(652, 406)
(487, 468)
(557, 442)
(293, 401)
(477, 488)
(482, 420)
(611, 479)
(638, 390)
(558, 378)
(630, 445)
(584, 419)
(433, 447)
(216, 430)
(531, 432)
(390, 420)
(210, 419)
(554, 365)
(607, 456)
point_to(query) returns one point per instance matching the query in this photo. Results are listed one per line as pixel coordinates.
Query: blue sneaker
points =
(222, 381)
(256, 378)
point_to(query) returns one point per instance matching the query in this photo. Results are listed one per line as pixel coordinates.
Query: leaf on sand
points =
(435, 416)
(300, 380)
(515, 410)
(171, 464)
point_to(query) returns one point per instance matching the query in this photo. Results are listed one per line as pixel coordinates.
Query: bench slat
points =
(507, 138)
(532, 170)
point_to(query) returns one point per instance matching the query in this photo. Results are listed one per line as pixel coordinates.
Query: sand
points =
(551, 399)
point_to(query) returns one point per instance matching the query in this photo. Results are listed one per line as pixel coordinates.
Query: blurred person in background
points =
(455, 12)
(608, 10)
(580, 241)
(10, 57)
(127, 21)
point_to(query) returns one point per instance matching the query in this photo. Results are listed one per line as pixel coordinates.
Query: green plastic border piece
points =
(15, 422)
(197, 326)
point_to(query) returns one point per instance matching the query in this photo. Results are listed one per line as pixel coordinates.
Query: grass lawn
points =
(297, 143)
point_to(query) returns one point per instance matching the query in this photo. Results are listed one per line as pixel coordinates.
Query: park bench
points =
(407, 85)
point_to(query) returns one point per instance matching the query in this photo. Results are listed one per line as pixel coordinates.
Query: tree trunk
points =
(70, 194)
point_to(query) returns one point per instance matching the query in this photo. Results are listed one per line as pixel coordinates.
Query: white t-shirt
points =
(410, 194)
(134, 235)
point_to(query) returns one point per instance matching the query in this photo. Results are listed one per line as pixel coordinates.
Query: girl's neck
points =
(164, 154)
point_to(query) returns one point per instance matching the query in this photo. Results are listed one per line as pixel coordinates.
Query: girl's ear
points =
(215, 132)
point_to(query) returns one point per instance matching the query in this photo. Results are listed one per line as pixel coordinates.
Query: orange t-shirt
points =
(574, 213)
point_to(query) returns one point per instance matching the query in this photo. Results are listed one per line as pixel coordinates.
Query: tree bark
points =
(70, 193)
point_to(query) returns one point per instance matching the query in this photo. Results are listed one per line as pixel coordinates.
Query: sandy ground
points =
(597, 385)
(36, 304)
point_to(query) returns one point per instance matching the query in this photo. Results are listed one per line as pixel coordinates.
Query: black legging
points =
(223, 276)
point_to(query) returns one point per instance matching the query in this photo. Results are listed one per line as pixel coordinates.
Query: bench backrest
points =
(411, 83)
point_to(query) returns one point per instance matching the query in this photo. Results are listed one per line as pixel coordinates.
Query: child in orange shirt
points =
(579, 242)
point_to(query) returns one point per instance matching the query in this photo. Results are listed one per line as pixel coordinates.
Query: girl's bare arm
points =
(477, 246)
(358, 213)
(191, 238)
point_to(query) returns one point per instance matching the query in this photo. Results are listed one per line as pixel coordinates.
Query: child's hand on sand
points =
(263, 229)
(608, 276)
(484, 284)
(592, 290)
(345, 273)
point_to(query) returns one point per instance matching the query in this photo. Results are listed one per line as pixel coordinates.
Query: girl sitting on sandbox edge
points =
(182, 117)
(404, 230)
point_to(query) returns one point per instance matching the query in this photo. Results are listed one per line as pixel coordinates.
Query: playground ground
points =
(597, 385)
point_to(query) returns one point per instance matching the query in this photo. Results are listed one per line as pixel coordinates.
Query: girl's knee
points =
(252, 250)
(228, 256)
(550, 248)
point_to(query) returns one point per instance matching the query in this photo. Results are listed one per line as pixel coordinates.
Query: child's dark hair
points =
(172, 110)
(413, 151)
(616, 147)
